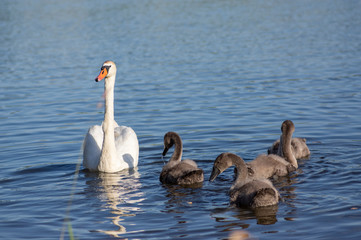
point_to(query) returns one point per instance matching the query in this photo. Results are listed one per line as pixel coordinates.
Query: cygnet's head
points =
(169, 141)
(288, 127)
(222, 162)
(107, 70)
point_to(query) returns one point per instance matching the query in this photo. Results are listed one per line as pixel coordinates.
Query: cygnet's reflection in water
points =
(287, 187)
(266, 215)
(179, 196)
(240, 216)
(181, 207)
(119, 192)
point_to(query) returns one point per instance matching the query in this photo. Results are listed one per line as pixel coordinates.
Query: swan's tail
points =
(265, 197)
(192, 177)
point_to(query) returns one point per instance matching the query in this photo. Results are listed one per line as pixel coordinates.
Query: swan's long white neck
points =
(108, 154)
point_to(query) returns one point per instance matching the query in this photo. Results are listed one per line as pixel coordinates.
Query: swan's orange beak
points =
(102, 74)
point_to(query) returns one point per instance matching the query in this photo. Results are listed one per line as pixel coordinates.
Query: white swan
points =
(110, 147)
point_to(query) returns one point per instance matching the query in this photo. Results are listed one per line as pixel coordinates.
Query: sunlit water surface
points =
(223, 74)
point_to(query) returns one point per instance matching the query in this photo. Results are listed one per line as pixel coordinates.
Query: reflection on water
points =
(179, 196)
(222, 215)
(266, 215)
(119, 193)
(263, 215)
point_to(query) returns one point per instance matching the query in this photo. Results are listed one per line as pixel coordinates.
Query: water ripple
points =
(224, 75)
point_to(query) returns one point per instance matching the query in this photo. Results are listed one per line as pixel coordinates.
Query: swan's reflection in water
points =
(120, 193)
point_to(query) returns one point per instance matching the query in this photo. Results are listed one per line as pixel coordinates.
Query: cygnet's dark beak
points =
(165, 151)
(214, 174)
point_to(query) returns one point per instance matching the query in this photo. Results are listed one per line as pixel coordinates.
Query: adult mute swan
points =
(177, 171)
(110, 147)
(245, 191)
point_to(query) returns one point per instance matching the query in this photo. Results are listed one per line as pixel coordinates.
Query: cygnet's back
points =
(267, 166)
(176, 171)
(256, 193)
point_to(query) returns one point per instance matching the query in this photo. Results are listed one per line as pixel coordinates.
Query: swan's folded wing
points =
(274, 148)
(92, 147)
(299, 147)
(127, 146)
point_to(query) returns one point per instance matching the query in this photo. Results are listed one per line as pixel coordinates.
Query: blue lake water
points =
(223, 74)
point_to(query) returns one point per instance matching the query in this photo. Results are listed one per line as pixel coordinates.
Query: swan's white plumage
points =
(110, 147)
(126, 143)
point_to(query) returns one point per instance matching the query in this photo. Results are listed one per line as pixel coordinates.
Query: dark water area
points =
(223, 74)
